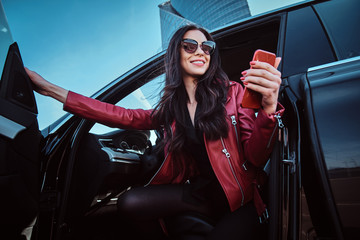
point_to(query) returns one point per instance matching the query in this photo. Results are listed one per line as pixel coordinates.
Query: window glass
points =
(341, 19)
(5, 38)
(145, 97)
(306, 44)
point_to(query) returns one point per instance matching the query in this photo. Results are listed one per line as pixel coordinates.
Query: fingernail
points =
(252, 63)
(242, 78)
(245, 83)
(244, 72)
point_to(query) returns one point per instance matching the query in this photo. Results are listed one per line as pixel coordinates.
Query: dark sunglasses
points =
(190, 46)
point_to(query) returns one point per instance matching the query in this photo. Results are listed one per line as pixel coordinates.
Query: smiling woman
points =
(194, 59)
(210, 183)
(200, 150)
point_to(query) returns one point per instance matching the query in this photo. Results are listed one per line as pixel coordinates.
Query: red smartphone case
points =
(251, 98)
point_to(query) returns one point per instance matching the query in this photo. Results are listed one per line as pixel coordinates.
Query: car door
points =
(19, 148)
(332, 113)
(321, 80)
(304, 45)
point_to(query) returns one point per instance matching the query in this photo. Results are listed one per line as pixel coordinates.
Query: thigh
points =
(155, 201)
(243, 223)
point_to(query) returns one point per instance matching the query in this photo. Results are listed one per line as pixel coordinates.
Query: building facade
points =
(209, 14)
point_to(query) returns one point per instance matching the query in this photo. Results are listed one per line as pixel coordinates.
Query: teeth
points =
(198, 62)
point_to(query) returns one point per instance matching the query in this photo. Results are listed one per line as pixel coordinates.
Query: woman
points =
(213, 147)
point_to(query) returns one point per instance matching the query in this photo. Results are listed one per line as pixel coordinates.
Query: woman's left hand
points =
(264, 79)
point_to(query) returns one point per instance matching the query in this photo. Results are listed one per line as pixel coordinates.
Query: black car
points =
(63, 182)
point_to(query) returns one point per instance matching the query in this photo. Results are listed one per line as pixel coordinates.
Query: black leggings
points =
(144, 206)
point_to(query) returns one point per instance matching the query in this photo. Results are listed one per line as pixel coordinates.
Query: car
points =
(63, 182)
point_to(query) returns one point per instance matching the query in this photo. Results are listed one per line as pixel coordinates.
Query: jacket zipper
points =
(233, 121)
(227, 154)
(280, 125)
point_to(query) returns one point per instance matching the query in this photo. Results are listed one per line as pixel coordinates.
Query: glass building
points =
(209, 14)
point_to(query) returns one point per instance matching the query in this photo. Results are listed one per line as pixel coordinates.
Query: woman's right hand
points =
(46, 88)
(41, 85)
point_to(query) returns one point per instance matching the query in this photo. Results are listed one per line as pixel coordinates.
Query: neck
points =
(190, 86)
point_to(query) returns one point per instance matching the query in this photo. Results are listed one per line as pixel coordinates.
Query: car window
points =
(5, 38)
(306, 44)
(237, 47)
(145, 97)
(341, 20)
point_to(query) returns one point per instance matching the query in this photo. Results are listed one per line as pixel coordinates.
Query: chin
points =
(198, 73)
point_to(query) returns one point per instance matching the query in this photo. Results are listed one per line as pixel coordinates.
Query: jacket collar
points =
(231, 83)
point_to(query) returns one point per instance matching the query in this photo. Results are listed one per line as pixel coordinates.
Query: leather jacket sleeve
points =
(108, 114)
(257, 133)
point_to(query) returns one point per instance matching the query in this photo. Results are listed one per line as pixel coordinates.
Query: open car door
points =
(332, 116)
(19, 149)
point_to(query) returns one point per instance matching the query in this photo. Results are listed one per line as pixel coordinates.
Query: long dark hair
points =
(211, 94)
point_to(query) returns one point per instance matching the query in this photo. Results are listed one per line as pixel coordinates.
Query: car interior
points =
(106, 161)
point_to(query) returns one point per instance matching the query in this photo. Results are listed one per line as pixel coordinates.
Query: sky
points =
(82, 45)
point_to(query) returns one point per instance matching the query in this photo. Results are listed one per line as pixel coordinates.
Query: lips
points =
(198, 62)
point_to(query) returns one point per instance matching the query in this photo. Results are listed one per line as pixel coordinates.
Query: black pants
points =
(144, 206)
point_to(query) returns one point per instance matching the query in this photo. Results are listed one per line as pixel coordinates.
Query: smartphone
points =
(251, 98)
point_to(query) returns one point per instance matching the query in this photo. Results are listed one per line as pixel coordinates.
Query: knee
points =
(127, 204)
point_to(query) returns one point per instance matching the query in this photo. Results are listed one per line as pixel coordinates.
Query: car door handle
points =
(291, 163)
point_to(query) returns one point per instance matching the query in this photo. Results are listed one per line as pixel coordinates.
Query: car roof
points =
(286, 8)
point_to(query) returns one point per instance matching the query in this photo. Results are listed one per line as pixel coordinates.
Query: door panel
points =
(19, 147)
(335, 100)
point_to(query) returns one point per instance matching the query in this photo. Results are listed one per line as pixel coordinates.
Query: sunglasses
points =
(190, 46)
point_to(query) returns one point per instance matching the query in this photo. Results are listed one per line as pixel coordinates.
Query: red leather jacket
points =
(235, 159)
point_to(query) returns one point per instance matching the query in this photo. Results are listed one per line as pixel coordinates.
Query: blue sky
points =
(83, 45)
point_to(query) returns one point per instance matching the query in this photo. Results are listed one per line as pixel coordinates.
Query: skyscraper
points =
(209, 14)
